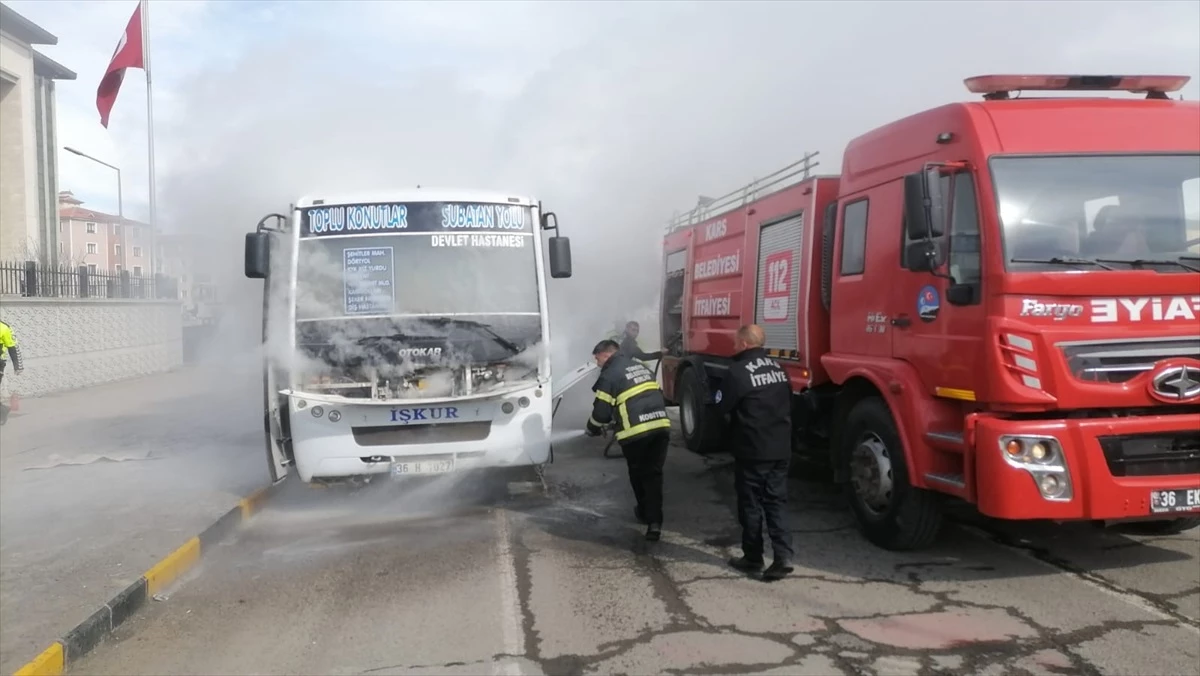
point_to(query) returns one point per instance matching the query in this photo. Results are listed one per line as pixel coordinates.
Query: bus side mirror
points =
(258, 249)
(560, 257)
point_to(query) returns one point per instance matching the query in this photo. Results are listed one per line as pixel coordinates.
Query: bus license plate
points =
(1178, 500)
(418, 467)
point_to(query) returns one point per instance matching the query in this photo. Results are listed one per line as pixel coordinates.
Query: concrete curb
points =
(88, 634)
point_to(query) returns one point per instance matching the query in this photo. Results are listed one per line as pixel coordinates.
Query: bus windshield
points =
(417, 259)
(1114, 212)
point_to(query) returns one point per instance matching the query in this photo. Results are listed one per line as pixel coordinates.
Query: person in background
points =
(9, 348)
(642, 427)
(757, 397)
(629, 344)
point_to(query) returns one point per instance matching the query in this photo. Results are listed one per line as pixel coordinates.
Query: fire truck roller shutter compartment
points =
(777, 294)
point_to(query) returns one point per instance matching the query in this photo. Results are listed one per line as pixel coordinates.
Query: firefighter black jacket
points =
(757, 397)
(628, 394)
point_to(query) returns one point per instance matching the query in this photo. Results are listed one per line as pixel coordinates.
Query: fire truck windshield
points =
(1093, 212)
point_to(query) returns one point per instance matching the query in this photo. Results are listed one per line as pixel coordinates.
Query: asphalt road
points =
(97, 485)
(457, 577)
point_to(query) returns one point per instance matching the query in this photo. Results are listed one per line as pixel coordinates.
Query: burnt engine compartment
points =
(382, 360)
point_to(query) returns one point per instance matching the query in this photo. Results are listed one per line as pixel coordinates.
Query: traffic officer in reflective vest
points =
(757, 397)
(9, 348)
(627, 393)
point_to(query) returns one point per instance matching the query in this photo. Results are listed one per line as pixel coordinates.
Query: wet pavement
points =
(97, 485)
(458, 576)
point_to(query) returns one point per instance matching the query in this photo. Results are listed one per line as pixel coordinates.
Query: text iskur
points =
(410, 415)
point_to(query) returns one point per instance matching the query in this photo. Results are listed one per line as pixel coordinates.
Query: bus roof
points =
(413, 195)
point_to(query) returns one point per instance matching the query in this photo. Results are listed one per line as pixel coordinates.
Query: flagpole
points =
(149, 131)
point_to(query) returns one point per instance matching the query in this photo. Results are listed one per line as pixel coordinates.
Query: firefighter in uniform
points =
(628, 394)
(757, 397)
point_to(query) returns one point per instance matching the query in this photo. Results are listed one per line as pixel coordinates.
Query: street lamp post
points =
(120, 200)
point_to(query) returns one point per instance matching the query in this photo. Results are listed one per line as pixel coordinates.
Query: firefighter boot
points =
(654, 532)
(746, 565)
(779, 569)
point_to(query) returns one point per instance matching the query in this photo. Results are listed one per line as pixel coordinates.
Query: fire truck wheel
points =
(891, 512)
(699, 429)
(1165, 527)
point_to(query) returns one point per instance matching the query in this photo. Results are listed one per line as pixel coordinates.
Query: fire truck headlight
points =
(507, 407)
(1054, 485)
(1043, 458)
(524, 402)
(334, 416)
(317, 411)
(300, 404)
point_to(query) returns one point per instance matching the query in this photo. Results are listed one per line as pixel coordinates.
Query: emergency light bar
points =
(998, 86)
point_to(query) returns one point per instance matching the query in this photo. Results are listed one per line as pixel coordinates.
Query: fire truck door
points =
(938, 331)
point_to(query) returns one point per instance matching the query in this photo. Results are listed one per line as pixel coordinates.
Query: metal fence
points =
(35, 280)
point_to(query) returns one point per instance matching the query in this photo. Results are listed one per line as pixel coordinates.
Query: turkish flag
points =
(127, 55)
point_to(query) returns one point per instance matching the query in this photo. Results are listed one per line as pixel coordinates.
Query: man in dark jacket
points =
(629, 344)
(757, 396)
(643, 430)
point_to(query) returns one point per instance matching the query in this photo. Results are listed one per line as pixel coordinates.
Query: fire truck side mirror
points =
(924, 204)
(560, 257)
(258, 248)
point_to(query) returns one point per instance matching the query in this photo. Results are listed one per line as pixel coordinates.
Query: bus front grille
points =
(434, 433)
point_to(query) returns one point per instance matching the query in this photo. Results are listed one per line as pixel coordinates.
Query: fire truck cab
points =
(996, 301)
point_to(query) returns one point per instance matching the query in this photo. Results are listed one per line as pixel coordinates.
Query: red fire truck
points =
(996, 301)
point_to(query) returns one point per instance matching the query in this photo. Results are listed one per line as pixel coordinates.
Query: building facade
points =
(28, 141)
(101, 241)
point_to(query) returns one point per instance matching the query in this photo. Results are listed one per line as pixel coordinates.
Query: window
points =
(91, 247)
(118, 268)
(854, 238)
(117, 248)
(91, 268)
(137, 252)
(1117, 210)
(133, 233)
(91, 228)
(137, 271)
(1191, 213)
(60, 247)
(965, 260)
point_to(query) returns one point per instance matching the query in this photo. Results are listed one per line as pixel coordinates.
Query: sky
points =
(615, 114)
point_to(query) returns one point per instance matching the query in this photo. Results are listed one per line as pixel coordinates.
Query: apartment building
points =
(101, 241)
(28, 141)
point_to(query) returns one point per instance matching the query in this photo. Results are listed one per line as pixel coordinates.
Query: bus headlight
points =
(1043, 458)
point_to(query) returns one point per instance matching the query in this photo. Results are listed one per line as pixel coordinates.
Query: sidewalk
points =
(98, 484)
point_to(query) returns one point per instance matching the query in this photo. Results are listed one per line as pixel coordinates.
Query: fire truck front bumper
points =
(1136, 467)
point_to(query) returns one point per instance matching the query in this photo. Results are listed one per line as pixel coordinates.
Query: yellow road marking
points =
(50, 663)
(253, 502)
(174, 565)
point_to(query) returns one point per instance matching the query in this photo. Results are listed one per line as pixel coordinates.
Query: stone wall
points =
(68, 344)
